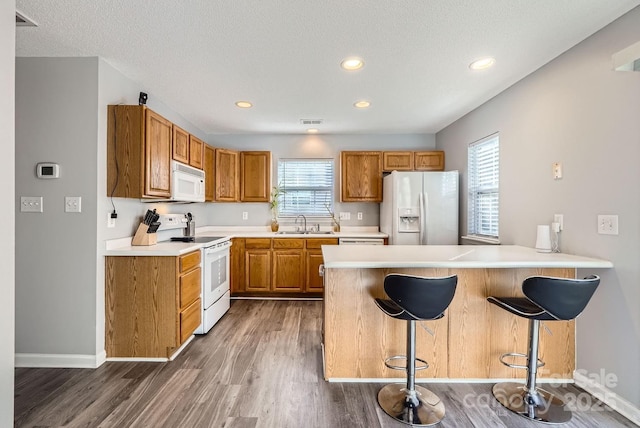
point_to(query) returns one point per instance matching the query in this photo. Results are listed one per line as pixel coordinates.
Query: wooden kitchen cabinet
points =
(255, 176)
(196, 151)
(227, 176)
(278, 266)
(288, 265)
(180, 145)
(361, 176)
(209, 167)
(429, 161)
(152, 304)
(139, 147)
(397, 161)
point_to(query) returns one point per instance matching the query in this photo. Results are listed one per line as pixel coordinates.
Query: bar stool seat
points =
(546, 299)
(414, 299)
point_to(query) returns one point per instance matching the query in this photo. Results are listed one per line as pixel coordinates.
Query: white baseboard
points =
(608, 397)
(60, 360)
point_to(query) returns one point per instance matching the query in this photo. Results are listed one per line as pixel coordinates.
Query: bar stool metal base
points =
(542, 406)
(422, 408)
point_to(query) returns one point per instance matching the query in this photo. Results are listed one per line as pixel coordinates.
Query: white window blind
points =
(483, 202)
(307, 186)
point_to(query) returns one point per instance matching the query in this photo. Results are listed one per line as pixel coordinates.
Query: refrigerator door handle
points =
(424, 219)
(422, 222)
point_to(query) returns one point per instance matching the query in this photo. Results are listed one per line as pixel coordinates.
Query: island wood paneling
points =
(468, 340)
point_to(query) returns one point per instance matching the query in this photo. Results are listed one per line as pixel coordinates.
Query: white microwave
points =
(187, 183)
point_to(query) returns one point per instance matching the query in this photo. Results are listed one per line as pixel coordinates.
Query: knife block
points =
(143, 238)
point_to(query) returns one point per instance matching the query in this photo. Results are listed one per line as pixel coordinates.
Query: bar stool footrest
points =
(517, 355)
(387, 362)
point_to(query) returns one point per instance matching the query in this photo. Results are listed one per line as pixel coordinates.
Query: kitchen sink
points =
(308, 232)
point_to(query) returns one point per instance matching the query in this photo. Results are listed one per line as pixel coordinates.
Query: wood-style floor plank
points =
(259, 367)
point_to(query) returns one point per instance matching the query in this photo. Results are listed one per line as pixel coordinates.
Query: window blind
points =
(307, 185)
(483, 186)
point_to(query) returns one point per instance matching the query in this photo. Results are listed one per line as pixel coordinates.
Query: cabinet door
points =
(255, 176)
(180, 145)
(196, 147)
(209, 173)
(314, 282)
(237, 266)
(429, 161)
(227, 166)
(288, 270)
(158, 132)
(397, 161)
(257, 267)
(361, 177)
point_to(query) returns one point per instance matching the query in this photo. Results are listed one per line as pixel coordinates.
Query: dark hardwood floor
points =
(260, 366)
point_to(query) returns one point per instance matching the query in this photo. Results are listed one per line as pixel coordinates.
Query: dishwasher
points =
(361, 241)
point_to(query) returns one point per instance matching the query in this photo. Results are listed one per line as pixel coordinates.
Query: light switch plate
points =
(31, 204)
(72, 204)
(345, 216)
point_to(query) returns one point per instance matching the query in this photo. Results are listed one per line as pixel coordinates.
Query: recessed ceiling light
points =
(312, 131)
(243, 104)
(482, 63)
(352, 64)
(362, 104)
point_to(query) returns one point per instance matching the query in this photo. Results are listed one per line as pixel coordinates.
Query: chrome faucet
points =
(305, 223)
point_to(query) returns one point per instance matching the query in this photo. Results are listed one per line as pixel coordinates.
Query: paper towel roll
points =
(543, 240)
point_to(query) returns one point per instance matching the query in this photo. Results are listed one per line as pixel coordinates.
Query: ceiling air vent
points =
(24, 21)
(311, 121)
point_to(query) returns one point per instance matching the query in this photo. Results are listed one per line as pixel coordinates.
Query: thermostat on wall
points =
(47, 170)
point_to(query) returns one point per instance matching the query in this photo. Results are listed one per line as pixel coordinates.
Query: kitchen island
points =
(467, 342)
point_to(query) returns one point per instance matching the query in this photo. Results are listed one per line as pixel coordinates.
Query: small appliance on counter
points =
(146, 233)
(189, 232)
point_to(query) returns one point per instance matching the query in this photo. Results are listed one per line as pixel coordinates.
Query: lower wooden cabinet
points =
(262, 266)
(152, 304)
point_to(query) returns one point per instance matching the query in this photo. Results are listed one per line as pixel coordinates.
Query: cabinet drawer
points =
(288, 243)
(189, 261)
(190, 285)
(258, 243)
(318, 242)
(189, 320)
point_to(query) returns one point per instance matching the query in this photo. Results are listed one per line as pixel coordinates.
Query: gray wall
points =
(7, 216)
(56, 121)
(309, 146)
(577, 111)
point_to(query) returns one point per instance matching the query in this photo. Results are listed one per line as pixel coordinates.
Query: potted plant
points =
(273, 206)
(336, 223)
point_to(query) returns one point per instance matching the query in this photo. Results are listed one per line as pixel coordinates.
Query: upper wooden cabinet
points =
(227, 182)
(196, 149)
(397, 161)
(255, 176)
(209, 168)
(138, 153)
(361, 174)
(180, 145)
(187, 148)
(429, 161)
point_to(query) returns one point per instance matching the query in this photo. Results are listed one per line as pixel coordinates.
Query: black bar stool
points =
(547, 299)
(414, 299)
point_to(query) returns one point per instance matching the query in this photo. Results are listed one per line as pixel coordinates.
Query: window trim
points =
(474, 189)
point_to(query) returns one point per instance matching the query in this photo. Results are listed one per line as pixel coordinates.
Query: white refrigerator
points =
(420, 208)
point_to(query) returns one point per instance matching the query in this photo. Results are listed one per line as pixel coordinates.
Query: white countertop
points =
(123, 247)
(451, 256)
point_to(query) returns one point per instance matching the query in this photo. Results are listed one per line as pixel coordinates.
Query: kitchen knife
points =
(154, 227)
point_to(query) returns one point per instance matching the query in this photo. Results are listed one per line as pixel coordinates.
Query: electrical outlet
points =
(557, 170)
(72, 204)
(359, 216)
(245, 215)
(559, 218)
(31, 204)
(608, 224)
(111, 222)
(345, 216)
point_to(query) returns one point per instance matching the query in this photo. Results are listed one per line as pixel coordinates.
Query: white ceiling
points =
(200, 57)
